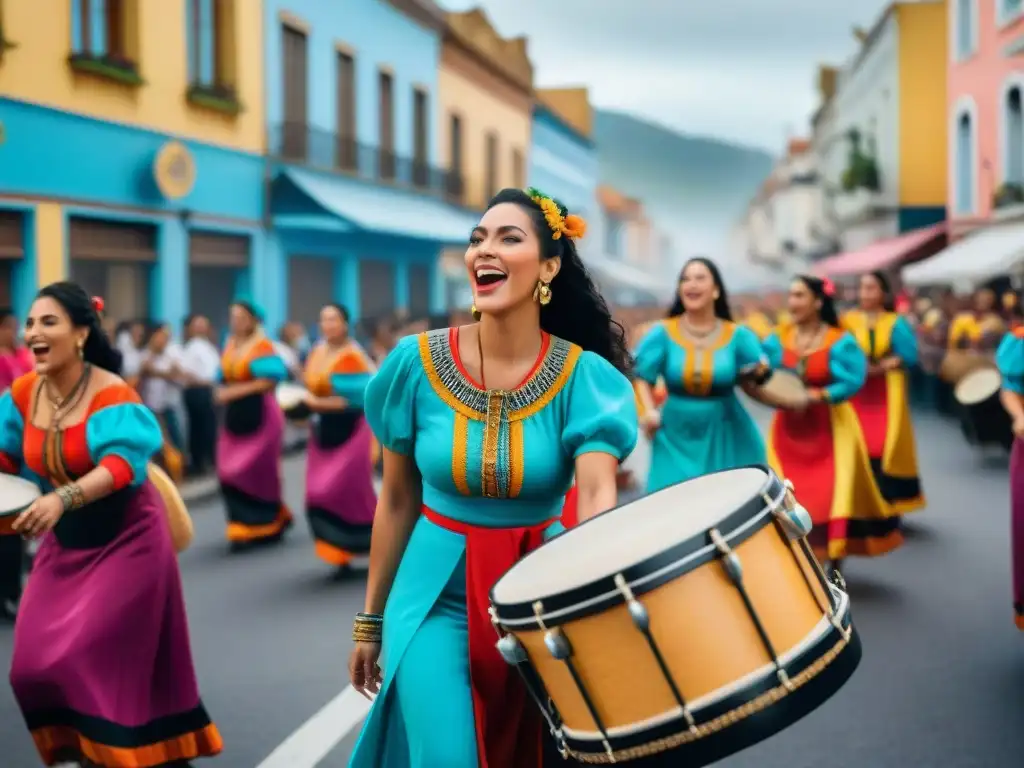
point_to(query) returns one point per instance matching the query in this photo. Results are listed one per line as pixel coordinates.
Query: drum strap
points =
(508, 724)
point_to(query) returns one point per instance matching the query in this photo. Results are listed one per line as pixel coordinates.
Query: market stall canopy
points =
(883, 254)
(988, 253)
(306, 200)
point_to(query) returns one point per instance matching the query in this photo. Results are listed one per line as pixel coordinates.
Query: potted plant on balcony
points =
(861, 169)
(1008, 194)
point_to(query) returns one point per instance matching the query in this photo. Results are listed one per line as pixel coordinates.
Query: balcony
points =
(315, 148)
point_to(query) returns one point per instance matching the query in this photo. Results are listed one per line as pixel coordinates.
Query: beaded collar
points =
(461, 394)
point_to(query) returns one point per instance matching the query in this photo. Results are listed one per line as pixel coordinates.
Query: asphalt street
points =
(941, 684)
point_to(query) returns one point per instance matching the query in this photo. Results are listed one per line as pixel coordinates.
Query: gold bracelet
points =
(71, 496)
(367, 628)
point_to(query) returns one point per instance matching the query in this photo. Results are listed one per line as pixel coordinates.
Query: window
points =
(387, 126)
(518, 169)
(455, 182)
(100, 39)
(965, 163)
(421, 138)
(966, 27)
(209, 28)
(295, 55)
(1013, 142)
(491, 166)
(1008, 11)
(345, 73)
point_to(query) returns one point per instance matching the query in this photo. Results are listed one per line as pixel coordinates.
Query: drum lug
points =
(512, 650)
(837, 578)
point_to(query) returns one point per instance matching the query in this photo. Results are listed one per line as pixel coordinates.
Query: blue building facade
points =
(358, 208)
(563, 161)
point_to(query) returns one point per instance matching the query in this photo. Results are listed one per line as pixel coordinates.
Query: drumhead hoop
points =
(978, 386)
(786, 387)
(290, 395)
(627, 535)
(16, 493)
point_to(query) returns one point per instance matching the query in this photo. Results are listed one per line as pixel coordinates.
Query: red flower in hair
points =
(97, 304)
(828, 287)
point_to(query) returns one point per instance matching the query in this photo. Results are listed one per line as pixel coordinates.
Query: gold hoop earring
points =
(475, 312)
(542, 293)
(716, 295)
(81, 350)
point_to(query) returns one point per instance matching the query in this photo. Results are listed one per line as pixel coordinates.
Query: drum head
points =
(290, 396)
(978, 386)
(786, 387)
(16, 493)
(628, 535)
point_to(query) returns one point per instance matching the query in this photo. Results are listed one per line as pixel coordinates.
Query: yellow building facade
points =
(486, 105)
(924, 135)
(131, 143)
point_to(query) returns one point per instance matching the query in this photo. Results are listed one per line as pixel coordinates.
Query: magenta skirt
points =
(249, 448)
(340, 499)
(1017, 528)
(102, 668)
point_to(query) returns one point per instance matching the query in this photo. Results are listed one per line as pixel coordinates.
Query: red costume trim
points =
(120, 469)
(508, 724)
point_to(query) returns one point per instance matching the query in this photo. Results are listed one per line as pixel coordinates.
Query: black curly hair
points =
(828, 312)
(78, 304)
(722, 309)
(578, 312)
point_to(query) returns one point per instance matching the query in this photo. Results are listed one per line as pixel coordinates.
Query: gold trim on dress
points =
(699, 360)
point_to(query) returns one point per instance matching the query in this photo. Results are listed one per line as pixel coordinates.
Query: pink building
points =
(986, 111)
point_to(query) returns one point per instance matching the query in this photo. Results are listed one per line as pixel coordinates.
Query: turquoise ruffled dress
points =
(507, 473)
(704, 427)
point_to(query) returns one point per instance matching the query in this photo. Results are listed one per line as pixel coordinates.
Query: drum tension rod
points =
(514, 654)
(734, 570)
(642, 621)
(560, 648)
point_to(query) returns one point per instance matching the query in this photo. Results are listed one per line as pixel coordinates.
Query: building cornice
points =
(570, 107)
(426, 12)
(473, 32)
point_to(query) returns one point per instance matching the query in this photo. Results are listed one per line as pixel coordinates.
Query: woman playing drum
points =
(101, 668)
(1010, 360)
(820, 447)
(535, 391)
(251, 439)
(339, 469)
(702, 355)
(883, 404)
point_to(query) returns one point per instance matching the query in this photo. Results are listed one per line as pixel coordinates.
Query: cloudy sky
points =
(741, 70)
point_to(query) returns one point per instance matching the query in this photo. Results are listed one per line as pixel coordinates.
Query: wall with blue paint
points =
(379, 36)
(563, 164)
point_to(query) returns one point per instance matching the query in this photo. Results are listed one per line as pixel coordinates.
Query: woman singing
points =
(251, 439)
(339, 472)
(535, 391)
(702, 356)
(821, 448)
(1010, 361)
(883, 404)
(102, 668)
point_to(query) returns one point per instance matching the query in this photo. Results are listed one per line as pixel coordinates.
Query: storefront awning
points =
(881, 255)
(372, 208)
(974, 260)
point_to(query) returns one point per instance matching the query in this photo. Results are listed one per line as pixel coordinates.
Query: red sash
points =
(508, 724)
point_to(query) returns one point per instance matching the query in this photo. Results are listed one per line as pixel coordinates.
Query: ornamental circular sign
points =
(174, 170)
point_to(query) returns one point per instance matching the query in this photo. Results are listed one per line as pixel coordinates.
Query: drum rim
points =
(650, 573)
(773, 718)
(24, 482)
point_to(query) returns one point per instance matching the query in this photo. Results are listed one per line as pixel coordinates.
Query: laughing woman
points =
(339, 471)
(1010, 361)
(102, 668)
(820, 447)
(702, 356)
(883, 404)
(252, 437)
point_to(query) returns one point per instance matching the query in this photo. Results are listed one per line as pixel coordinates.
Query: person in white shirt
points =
(162, 378)
(200, 362)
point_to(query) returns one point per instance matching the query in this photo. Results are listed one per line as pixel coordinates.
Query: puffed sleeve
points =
(649, 358)
(269, 367)
(601, 415)
(123, 438)
(904, 342)
(350, 377)
(11, 428)
(390, 398)
(772, 348)
(1010, 362)
(849, 369)
(750, 356)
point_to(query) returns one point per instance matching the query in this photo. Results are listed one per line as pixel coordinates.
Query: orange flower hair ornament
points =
(561, 222)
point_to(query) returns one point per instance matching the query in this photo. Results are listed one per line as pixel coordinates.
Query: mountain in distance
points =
(694, 188)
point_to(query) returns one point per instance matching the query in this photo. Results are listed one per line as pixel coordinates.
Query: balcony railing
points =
(316, 148)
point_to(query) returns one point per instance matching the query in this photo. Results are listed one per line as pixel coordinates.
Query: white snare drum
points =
(786, 388)
(983, 419)
(679, 628)
(16, 494)
(292, 400)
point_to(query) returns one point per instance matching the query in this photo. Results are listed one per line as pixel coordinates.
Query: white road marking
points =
(315, 738)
